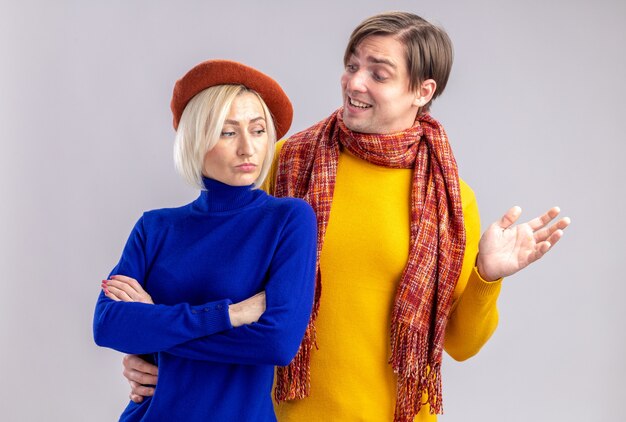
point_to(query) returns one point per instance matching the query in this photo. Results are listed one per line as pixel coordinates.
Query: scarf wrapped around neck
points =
(307, 169)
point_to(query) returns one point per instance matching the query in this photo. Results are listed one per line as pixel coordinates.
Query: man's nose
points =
(356, 81)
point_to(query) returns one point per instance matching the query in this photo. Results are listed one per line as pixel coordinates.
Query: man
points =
(398, 248)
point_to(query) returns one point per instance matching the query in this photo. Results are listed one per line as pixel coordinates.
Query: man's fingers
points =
(141, 390)
(544, 246)
(134, 362)
(555, 237)
(563, 223)
(135, 398)
(547, 233)
(510, 217)
(148, 368)
(543, 220)
(140, 377)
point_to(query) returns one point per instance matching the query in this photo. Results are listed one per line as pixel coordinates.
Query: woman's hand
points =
(125, 289)
(247, 311)
(505, 249)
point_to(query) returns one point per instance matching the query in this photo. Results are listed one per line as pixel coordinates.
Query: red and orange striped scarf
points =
(307, 169)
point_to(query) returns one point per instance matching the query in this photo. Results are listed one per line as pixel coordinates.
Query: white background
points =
(534, 110)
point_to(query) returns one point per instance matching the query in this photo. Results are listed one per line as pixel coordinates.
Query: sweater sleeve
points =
(275, 338)
(474, 315)
(138, 328)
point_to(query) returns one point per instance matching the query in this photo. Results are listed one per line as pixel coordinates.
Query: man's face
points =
(375, 88)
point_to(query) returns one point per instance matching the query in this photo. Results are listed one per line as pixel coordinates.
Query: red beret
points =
(223, 72)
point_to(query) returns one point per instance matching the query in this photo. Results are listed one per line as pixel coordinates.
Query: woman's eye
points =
(259, 131)
(351, 68)
(228, 134)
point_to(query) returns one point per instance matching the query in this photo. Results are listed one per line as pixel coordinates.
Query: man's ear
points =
(425, 92)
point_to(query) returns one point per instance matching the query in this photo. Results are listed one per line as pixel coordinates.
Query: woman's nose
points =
(245, 147)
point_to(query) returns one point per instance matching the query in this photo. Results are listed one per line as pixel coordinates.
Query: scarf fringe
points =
(294, 380)
(416, 375)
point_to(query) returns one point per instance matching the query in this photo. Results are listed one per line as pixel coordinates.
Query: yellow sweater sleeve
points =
(474, 316)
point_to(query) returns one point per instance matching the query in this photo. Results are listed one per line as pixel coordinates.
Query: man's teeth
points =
(359, 104)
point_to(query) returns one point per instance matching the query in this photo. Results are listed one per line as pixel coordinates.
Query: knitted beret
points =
(223, 72)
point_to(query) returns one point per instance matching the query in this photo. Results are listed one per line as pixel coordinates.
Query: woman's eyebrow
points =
(236, 122)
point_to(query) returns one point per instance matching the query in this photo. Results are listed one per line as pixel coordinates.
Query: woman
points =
(192, 283)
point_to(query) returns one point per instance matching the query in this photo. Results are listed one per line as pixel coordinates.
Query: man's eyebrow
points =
(382, 60)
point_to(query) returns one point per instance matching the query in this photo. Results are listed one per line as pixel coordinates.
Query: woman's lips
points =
(247, 167)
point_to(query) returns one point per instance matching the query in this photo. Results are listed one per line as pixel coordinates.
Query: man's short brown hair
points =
(429, 51)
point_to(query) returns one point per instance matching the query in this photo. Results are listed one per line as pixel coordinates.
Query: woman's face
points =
(238, 156)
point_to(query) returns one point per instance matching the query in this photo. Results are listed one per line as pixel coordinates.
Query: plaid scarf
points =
(307, 169)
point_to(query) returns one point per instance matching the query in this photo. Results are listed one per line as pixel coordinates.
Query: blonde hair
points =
(200, 128)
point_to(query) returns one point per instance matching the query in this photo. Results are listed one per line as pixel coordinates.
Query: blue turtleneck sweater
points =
(227, 245)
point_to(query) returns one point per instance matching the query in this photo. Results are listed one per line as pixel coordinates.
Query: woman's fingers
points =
(131, 287)
(127, 284)
(111, 296)
(129, 281)
(120, 291)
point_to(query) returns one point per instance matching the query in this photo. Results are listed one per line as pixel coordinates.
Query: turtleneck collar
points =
(220, 197)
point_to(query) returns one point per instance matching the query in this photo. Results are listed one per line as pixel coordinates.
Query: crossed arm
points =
(142, 375)
(120, 288)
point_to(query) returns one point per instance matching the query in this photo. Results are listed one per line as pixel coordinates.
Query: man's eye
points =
(351, 68)
(378, 77)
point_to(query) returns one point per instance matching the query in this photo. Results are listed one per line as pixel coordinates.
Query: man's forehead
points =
(379, 49)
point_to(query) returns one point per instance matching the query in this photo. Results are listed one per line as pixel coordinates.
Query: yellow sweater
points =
(365, 250)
